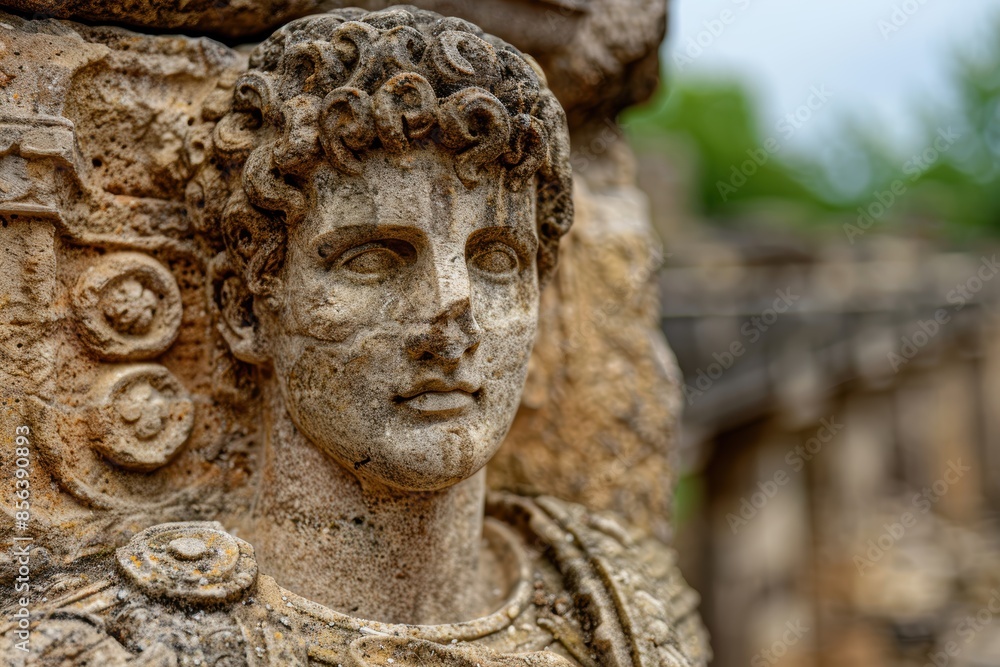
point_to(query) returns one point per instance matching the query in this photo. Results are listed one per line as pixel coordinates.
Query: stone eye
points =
(379, 258)
(497, 260)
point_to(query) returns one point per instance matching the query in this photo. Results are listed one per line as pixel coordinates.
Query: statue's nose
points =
(447, 330)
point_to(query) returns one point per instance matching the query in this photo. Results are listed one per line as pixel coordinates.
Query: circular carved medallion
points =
(191, 561)
(128, 307)
(143, 416)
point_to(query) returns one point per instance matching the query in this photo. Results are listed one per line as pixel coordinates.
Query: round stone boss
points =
(128, 307)
(196, 561)
(142, 416)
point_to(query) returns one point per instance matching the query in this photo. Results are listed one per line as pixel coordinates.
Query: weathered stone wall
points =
(108, 353)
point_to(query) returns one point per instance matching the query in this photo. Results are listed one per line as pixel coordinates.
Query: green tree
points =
(960, 190)
(964, 187)
(736, 164)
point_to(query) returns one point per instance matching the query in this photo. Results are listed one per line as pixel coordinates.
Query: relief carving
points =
(142, 415)
(290, 299)
(128, 307)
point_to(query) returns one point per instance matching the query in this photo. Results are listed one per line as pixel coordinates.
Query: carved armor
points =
(581, 593)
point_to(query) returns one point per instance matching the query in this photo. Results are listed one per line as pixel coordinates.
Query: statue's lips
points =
(441, 401)
(438, 397)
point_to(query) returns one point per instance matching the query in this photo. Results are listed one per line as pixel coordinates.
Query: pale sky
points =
(786, 47)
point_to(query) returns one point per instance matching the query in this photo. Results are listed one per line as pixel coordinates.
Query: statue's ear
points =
(237, 322)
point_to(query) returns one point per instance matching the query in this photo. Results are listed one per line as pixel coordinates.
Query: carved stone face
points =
(407, 307)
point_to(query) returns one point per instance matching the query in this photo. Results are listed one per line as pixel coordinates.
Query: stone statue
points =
(378, 201)
(381, 269)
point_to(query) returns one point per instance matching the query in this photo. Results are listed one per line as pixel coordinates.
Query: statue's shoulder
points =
(189, 593)
(636, 607)
(172, 597)
(582, 592)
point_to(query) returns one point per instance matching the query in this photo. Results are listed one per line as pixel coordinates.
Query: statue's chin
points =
(393, 447)
(431, 468)
(422, 461)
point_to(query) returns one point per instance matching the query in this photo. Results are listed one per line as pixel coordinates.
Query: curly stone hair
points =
(332, 86)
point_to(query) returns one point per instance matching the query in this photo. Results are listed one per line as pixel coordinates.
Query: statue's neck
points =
(361, 548)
